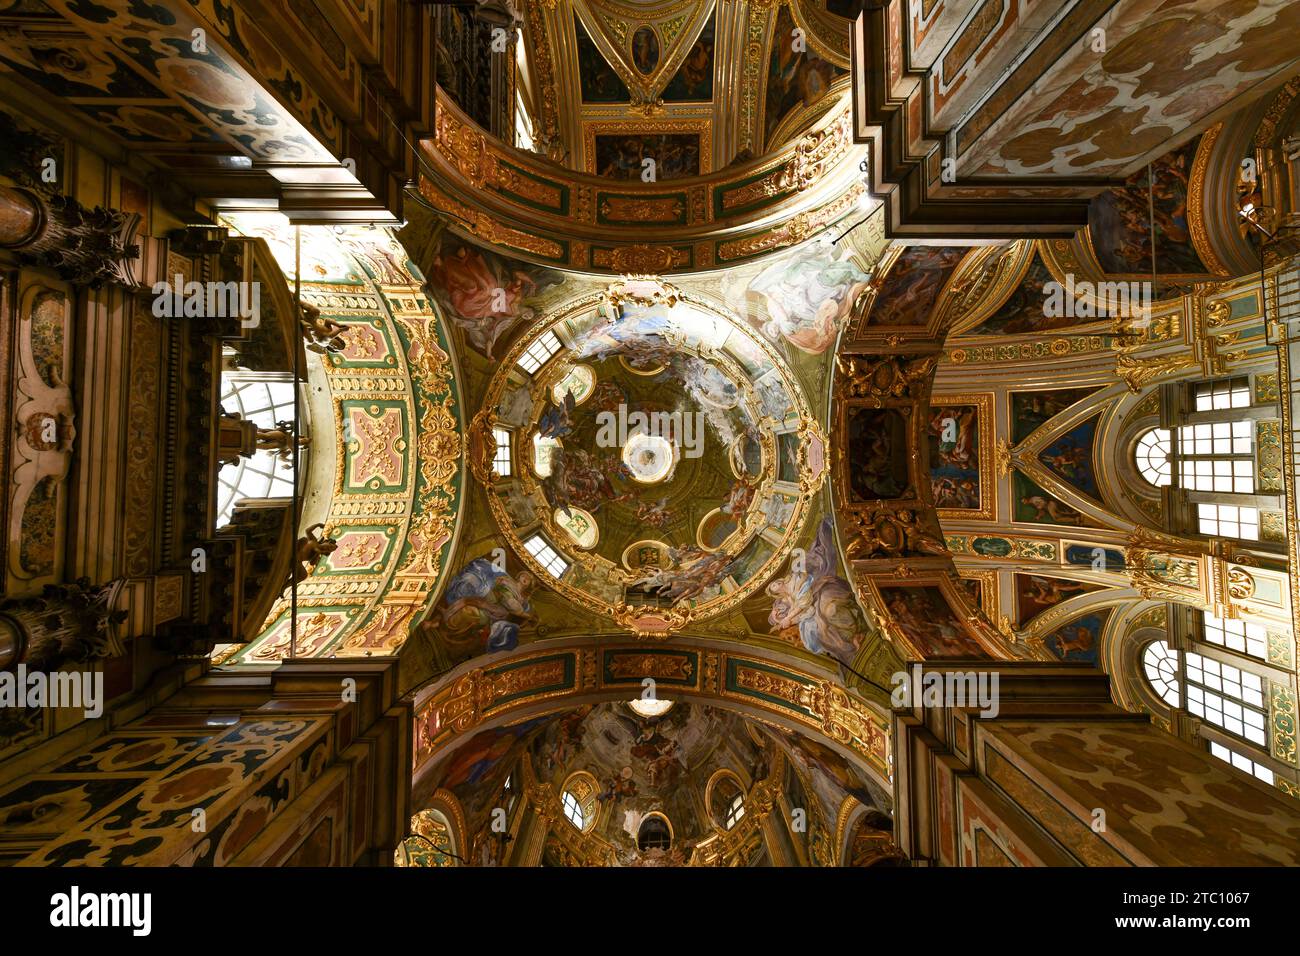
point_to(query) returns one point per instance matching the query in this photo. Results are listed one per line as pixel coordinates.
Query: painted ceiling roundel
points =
(653, 459)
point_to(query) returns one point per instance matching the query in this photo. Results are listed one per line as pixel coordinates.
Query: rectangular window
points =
(1227, 697)
(1216, 438)
(1229, 521)
(546, 556)
(1225, 393)
(1240, 636)
(501, 459)
(1216, 456)
(1241, 763)
(537, 354)
(1233, 475)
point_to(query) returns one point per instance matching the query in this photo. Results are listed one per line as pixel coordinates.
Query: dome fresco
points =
(681, 479)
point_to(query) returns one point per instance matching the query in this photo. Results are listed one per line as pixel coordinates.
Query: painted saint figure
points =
(818, 602)
(484, 606)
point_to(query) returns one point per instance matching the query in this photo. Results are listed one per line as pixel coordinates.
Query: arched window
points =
(655, 832)
(1161, 665)
(725, 797)
(650, 706)
(1152, 456)
(264, 475)
(578, 800)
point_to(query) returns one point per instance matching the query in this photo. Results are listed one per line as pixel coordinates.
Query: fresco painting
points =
(693, 81)
(1148, 211)
(485, 294)
(645, 50)
(1099, 559)
(1030, 410)
(1036, 593)
(1034, 505)
(818, 604)
(600, 82)
(1069, 457)
(954, 442)
(676, 155)
(925, 616)
(913, 285)
(796, 76)
(1025, 310)
(808, 295)
(878, 453)
(482, 609)
(1079, 640)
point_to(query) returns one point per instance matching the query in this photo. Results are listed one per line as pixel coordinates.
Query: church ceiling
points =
(676, 138)
(621, 768)
(690, 85)
(741, 359)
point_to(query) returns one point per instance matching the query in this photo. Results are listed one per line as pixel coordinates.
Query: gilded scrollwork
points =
(888, 531)
(885, 377)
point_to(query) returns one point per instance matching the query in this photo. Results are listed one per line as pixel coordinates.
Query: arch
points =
(655, 832)
(439, 826)
(1108, 407)
(578, 800)
(412, 413)
(564, 674)
(1135, 628)
(720, 794)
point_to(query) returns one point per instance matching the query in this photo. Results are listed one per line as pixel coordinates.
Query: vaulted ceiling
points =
(697, 83)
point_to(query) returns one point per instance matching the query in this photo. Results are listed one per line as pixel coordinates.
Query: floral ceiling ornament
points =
(643, 290)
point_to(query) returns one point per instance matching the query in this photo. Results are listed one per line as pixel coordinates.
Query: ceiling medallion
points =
(678, 486)
(650, 458)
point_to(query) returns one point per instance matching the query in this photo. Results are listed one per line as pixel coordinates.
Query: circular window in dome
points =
(579, 381)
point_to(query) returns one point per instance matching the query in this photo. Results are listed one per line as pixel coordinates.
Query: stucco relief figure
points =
(818, 602)
(310, 549)
(322, 334)
(280, 440)
(809, 296)
(484, 608)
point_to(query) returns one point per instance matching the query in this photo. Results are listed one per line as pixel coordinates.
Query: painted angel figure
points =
(557, 420)
(486, 604)
(809, 295)
(818, 602)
